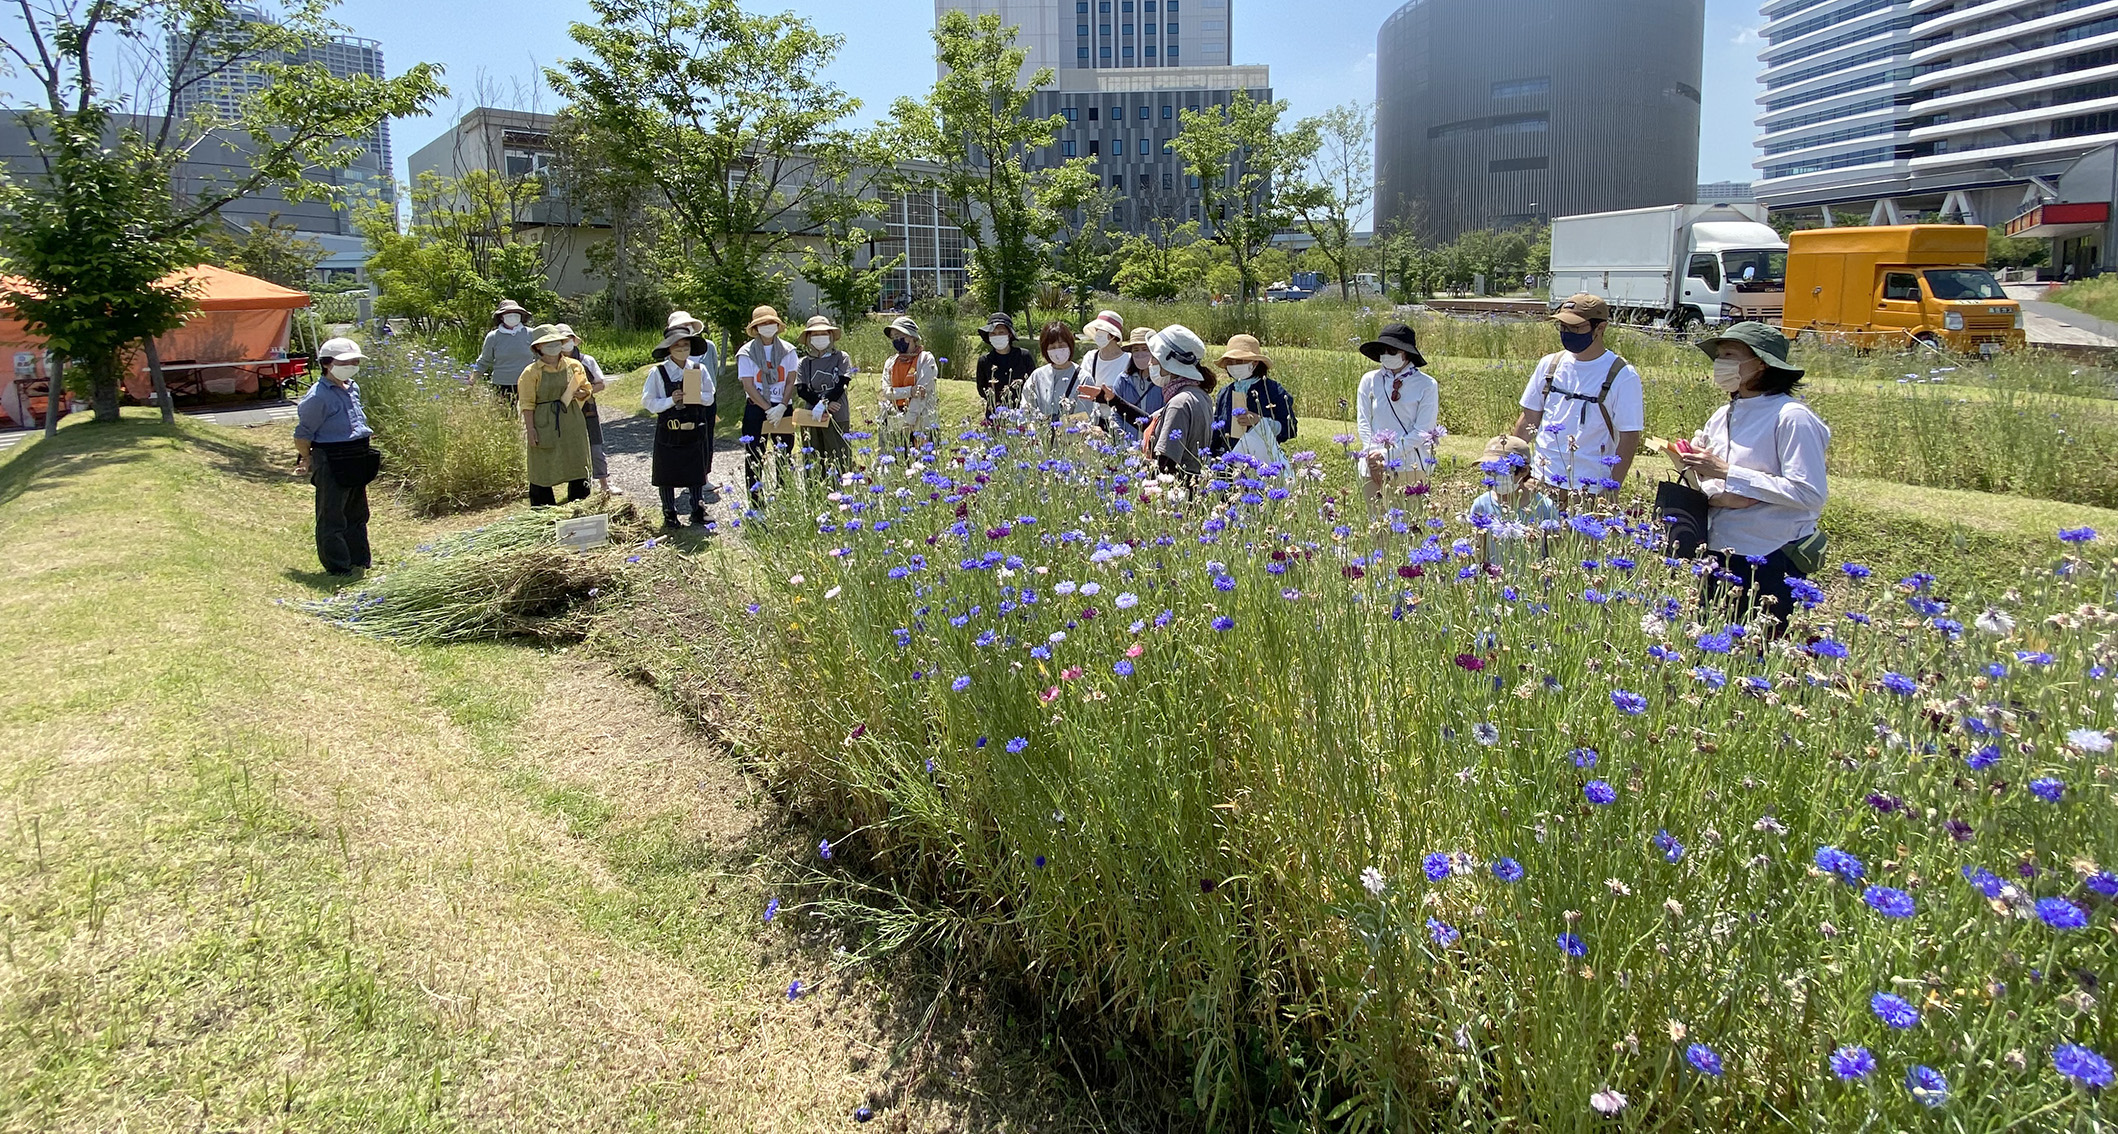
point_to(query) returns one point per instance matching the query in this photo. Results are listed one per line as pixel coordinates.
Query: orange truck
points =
(1899, 286)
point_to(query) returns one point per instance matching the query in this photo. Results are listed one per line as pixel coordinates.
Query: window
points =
(1080, 29)
(1146, 112)
(1706, 270)
(1144, 151)
(1964, 283)
(1171, 6)
(1148, 7)
(1104, 7)
(1128, 29)
(1095, 148)
(1066, 149)
(1169, 148)
(1522, 88)
(1092, 112)
(1172, 29)
(1117, 114)
(527, 163)
(1069, 112)
(1127, 52)
(1149, 51)
(1117, 181)
(1901, 287)
(1103, 29)
(1126, 7)
(1168, 112)
(1172, 52)
(1081, 52)
(1104, 51)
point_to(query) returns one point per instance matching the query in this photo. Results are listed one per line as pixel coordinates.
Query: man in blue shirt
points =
(331, 435)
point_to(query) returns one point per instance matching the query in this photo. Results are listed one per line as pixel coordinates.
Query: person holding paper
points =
(680, 393)
(910, 398)
(1054, 389)
(1254, 414)
(552, 392)
(765, 366)
(823, 411)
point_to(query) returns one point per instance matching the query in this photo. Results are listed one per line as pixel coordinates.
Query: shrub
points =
(448, 444)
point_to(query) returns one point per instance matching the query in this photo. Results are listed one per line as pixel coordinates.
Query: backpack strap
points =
(1610, 378)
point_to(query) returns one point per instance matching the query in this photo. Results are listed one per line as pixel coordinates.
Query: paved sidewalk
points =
(2052, 324)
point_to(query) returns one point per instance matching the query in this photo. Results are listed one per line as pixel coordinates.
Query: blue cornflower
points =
(1630, 703)
(1123, 668)
(961, 683)
(1983, 880)
(1852, 1062)
(1712, 677)
(1435, 866)
(1224, 623)
(1600, 793)
(1899, 684)
(2036, 657)
(2081, 1065)
(1704, 1058)
(1828, 648)
(2048, 789)
(1163, 619)
(1893, 1010)
(1716, 643)
(1983, 758)
(1835, 861)
(1018, 744)
(772, 909)
(1443, 933)
(1927, 1085)
(1583, 757)
(1571, 945)
(1127, 600)
(2103, 882)
(1855, 571)
(794, 990)
(1507, 870)
(823, 849)
(2076, 535)
(1672, 850)
(2061, 914)
(1040, 862)
(1889, 902)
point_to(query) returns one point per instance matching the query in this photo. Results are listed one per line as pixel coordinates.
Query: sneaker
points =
(670, 522)
(610, 489)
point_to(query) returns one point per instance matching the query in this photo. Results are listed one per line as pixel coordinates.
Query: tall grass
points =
(1354, 836)
(448, 444)
(2098, 297)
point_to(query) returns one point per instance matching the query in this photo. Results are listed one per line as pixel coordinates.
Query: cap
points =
(1581, 309)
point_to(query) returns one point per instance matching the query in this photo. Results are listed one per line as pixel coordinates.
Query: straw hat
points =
(821, 324)
(761, 316)
(547, 333)
(904, 325)
(683, 320)
(1244, 348)
(1140, 339)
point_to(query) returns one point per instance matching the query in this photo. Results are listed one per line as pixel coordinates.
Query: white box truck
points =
(1675, 265)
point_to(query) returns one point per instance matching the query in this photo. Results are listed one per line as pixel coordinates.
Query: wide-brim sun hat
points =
(567, 329)
(1180, 351)
(904, 325)
(1398, 337)
(1140, 339)
(1768, 344)
(339, 350)
(1244, 348)
(684, 320)
(698, 344)
(509, 307)
(1000, 321)
(820, 324)
(1115, 330)
(547, 333)
(761, 316)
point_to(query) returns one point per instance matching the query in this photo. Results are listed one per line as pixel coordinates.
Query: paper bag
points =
(693, 395)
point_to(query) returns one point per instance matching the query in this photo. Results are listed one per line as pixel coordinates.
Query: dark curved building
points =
(1494, 113)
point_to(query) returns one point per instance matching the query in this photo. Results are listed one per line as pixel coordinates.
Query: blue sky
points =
(1316, 62)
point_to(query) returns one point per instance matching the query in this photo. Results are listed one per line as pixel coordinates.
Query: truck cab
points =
(1734, 272)
(1900, 286)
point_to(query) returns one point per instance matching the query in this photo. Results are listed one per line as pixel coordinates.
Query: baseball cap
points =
(1581, 309)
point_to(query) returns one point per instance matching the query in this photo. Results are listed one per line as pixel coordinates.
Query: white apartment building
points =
(1098, 34)
(1968, 108)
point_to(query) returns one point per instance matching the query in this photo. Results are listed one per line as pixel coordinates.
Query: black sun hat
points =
(1398, 337)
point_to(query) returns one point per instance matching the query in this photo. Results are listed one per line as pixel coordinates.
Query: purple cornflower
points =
(1832, 860)
(1927, 1085)
(772, 909)
(1630, 703)
(1435, 866)
(1889, 902)
(1443, 933)
(1018, 744)
(1583, 757)
(794, 990)
(1899, 684)
(1571, 945)
(2061, 914)
(1123, 668)
(1224, 623)
(1704, 1059)
(961, 683)
(1984, 881)
(2048, 789)
(2076, 535)
(823, 849)
(1893, 1010)
(1852, 1062)
(1507, 870)
(2082, 1065)
(1600, 793)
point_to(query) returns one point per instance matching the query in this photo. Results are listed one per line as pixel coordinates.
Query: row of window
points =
(1836, 161)
(1522, 88)
(1103, 7)
(1498, 124)
(2019, 14)
(1868, 130)
(1117, 113)
(1806, 26)
(1869, 56)
(1148, 51)
(1125, 29)
(1068, 148)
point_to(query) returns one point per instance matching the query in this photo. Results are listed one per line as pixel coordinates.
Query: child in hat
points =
(910, 394)
(821, 385)
(1511, 517)
(1397, 408)
(1005, 367)
(507, 351)
(553, 390)
(1254, 414)
(679, 391)
(766, 367)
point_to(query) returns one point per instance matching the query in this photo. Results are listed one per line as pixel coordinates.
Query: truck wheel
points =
(1687, 321)
(1930, 341)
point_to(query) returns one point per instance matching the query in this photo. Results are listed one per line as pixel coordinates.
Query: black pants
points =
(669, 498)
(544, 496)
(754, 449)
(341, 515)
(1756, 583)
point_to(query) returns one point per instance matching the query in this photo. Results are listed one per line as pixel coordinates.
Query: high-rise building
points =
(205, 81)
(1724, 193)
(1496, 113)
(1116, 34)
(1966, 108)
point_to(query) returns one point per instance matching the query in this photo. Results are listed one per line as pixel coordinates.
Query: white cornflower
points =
(1995, 622)
(2089, 740)
(1652, 625)
(832, 593)
(1372, 879)
(1606, 1102)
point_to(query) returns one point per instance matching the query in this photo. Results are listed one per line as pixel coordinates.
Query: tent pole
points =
(161, 384)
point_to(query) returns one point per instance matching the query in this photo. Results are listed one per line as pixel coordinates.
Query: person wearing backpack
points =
(1583, 409)
(1760, 462)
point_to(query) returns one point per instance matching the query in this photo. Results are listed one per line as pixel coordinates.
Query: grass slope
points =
(261, 874)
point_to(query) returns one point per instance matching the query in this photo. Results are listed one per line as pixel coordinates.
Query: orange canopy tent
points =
(239, 320)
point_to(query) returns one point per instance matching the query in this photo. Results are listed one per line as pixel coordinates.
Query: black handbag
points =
(1682, 510)
(355, 468)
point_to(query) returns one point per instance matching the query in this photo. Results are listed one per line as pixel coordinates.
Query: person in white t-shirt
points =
(1583, 408)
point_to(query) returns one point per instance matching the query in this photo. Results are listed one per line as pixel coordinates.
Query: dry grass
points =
(262, 874)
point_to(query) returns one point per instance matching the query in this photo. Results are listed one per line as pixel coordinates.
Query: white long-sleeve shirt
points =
(1053, 393)
(1775, 447)
(1407, 419)
(665, 384)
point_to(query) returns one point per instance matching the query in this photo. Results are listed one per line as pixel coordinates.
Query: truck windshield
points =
(1763, 269)
(1964, 283)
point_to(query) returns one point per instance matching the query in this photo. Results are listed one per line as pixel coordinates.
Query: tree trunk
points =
(161, 386)
(54, 395)
(620, 311)
(103, 386)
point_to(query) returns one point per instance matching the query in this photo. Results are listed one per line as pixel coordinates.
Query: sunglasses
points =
(1397, 386)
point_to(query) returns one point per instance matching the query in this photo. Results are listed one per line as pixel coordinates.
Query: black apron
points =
(683, 452)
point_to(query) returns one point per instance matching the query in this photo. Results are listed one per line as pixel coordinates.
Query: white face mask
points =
(1394, 361)
(1103, 340)
(511, 321)
(1241, 372)
(551, 350)
(344, 371)
(1728, 374)
(1155, 375)
(1001, 342)
(768, 331)
(1059, 356)
(820, 342)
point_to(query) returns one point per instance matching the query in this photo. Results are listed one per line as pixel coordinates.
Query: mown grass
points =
(262, 874)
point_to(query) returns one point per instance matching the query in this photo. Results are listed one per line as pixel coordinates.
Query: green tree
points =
(974, 126)
(268, 250)
(1237, 153)
(1085, 253)
(465, 249)
(101, 176)
(1334, 185)
(856, 185)
(596, 175)
(720, 110)
(2004, 251)
(1151, 264)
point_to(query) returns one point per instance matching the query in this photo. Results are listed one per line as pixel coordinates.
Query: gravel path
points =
(630, 444)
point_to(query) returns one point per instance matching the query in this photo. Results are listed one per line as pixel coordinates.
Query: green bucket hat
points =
(1766, 342)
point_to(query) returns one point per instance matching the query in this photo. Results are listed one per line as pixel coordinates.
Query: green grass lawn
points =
(259, 873)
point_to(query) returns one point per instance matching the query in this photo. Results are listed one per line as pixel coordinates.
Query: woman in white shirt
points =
(1760, 461)
(1053, 391)
(1396, 411)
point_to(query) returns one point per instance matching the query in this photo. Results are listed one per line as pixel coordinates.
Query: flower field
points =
(1357, 835)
